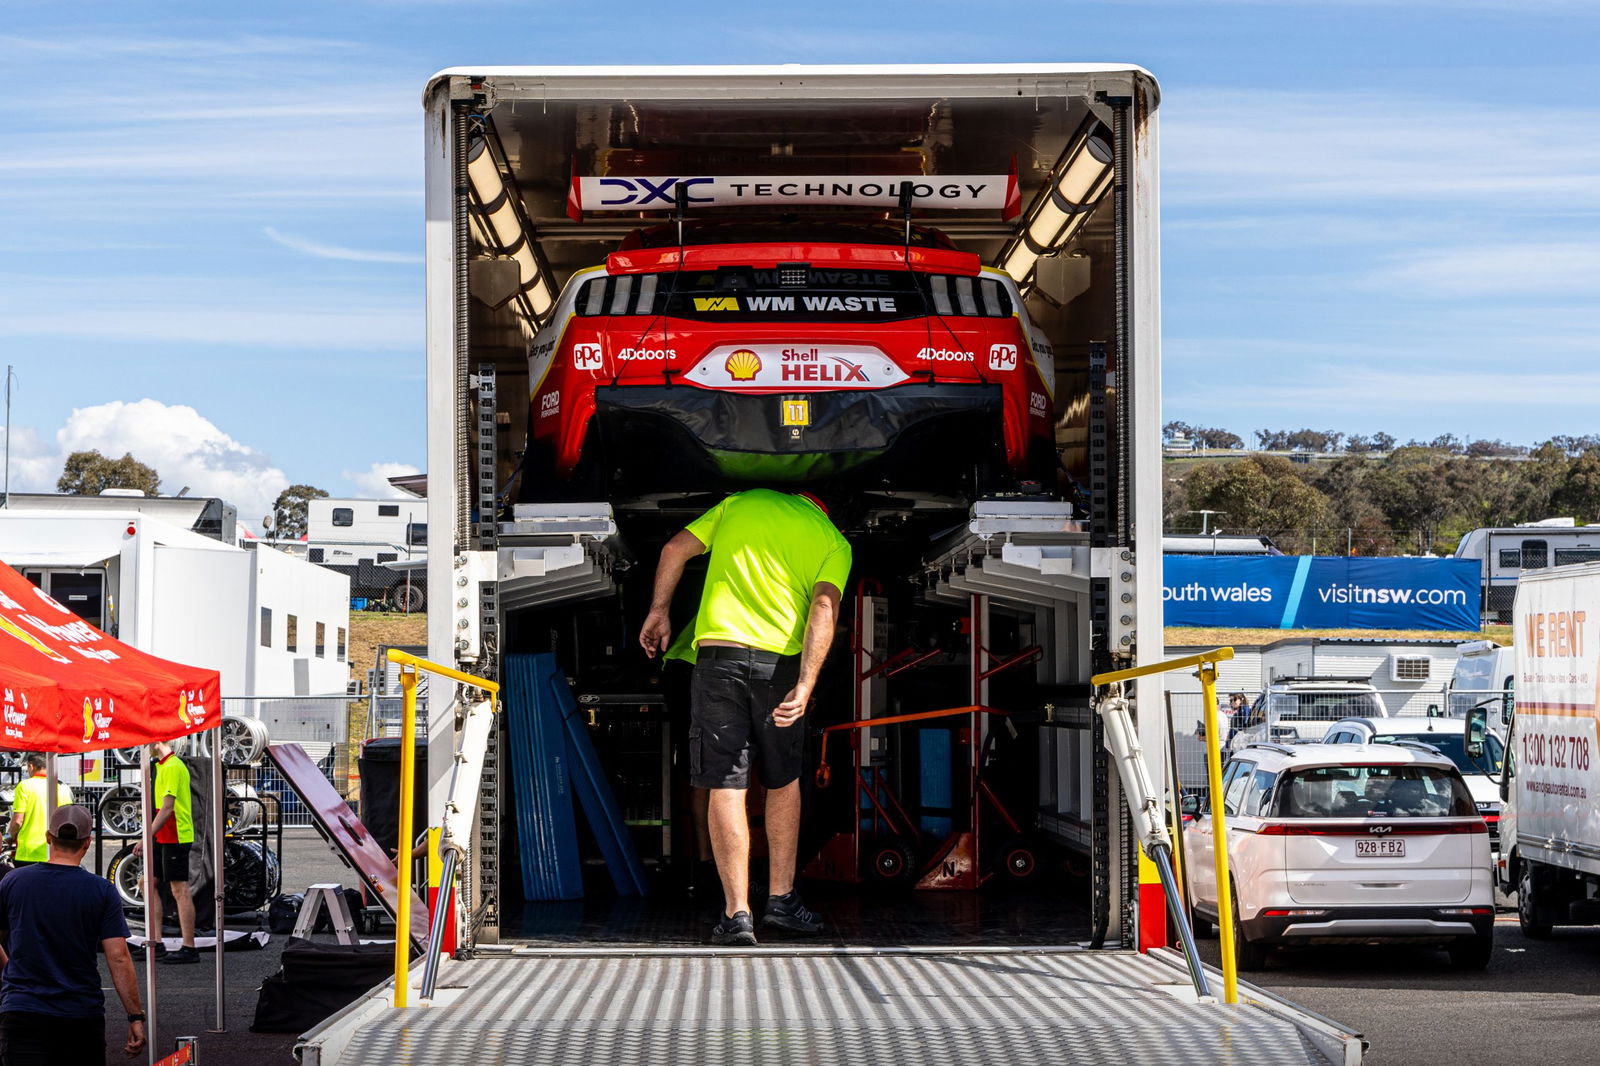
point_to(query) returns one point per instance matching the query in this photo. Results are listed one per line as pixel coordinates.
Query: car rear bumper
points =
(1332, 925)
(933, 429)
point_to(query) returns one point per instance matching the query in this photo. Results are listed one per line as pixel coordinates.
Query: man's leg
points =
(180, 892)
(730, 843)
(783, 836)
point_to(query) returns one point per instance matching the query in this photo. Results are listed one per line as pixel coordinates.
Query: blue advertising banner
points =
(1317, 592)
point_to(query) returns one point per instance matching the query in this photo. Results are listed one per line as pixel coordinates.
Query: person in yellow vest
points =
(173, 830)
(30, 813)
(767, 616)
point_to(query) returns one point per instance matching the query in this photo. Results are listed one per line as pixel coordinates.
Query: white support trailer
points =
(1070, 574)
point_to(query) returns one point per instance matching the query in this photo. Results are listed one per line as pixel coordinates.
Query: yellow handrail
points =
(408, 773)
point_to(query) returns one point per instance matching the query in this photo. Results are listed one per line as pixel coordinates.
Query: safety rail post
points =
(410, 667)
(408, 770)
(1219, 831)
(1120, 734)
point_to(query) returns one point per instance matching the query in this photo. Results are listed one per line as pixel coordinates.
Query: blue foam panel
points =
(593, 790)
(547, 831)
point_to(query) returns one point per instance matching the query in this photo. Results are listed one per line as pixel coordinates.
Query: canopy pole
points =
(51, 788)
(152, 936)
(219, 822)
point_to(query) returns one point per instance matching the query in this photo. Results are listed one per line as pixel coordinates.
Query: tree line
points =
(1415, 498)
(1331, 441)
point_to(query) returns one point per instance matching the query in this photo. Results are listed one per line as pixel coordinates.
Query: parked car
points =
(1444, 735)
(1294, 710)
(1335, 844)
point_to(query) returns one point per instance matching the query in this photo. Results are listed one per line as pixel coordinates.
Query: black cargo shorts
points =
(731, 699)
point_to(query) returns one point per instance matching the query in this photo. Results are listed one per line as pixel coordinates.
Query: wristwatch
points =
(136, 1017)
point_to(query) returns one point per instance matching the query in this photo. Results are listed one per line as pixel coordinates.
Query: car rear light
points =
(1299, 912)
(1466, 910)
(1346, 829)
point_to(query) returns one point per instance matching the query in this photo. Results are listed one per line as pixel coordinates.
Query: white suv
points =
(1294, 710)
(1444, 735)
(1329, 844)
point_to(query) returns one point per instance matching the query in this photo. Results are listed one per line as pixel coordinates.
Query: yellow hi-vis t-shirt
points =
(172, 779)
(29, 801)
(768, 550)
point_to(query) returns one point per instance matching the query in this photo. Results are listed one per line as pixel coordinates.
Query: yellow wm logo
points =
(716, 303)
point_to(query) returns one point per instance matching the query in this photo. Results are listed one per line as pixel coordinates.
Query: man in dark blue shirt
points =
(54, 916)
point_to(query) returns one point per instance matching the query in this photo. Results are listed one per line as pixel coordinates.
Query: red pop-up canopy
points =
(67, 687)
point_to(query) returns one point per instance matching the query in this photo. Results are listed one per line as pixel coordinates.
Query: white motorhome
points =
(1505, 552)
(381, 545)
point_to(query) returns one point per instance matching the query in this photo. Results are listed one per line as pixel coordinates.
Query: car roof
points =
(1298, 756)
(1331, 684)
(1408, 725)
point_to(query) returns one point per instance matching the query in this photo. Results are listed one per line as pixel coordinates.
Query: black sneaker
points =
(788, 913)
(136, 951)
(182, 957)
(739, 930)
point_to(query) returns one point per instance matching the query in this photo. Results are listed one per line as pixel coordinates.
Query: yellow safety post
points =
(1219, 832)
(410, 665)
(408, 773)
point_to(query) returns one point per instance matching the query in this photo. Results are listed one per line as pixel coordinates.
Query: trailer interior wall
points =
(1102, 288)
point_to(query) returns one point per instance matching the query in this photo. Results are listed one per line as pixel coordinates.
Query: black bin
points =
(380, 790)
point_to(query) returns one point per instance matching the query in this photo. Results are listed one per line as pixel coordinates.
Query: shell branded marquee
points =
(66, 687)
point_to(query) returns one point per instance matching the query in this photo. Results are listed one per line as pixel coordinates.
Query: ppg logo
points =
(586, 357)
(643, 192)
(1002, 357)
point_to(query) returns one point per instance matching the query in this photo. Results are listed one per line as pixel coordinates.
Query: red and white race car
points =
(790, 351)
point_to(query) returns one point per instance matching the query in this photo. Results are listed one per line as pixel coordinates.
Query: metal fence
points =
(1292, 717)
(319, 724)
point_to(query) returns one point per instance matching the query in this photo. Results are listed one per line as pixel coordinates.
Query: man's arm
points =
(820, 623)
(126, 981)
(675, 555)
(163, 816)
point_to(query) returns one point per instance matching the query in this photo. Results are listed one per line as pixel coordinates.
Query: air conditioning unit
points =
(1410, 667)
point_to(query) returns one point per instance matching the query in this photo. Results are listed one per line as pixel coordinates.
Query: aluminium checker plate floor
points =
(949, 1009)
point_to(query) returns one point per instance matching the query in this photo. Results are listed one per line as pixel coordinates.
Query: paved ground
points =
(187, 994)
(1537, 1001)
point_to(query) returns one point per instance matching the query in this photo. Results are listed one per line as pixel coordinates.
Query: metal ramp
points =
(815, 1008)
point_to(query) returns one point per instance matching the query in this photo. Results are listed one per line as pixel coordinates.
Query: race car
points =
(784, 351)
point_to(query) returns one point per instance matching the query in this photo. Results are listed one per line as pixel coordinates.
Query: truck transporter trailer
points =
(930, 293)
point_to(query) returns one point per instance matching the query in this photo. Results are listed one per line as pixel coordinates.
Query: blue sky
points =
(1376, 216)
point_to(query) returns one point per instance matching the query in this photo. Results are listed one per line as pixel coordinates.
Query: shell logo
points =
(11, 628)
(743, 365)
(88, 720)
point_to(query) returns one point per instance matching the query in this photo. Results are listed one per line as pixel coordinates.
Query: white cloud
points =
(1538, 270)
(35, 465)
(373, 482)
(183, 446)
(334, 251)
(1371, 153)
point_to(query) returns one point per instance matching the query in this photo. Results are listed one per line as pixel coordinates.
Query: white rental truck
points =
(931, 291)
(1550, 819)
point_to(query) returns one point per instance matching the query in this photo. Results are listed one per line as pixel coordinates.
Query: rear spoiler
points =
(929, 192)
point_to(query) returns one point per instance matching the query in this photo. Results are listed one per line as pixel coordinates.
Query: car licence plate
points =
(1380, 848)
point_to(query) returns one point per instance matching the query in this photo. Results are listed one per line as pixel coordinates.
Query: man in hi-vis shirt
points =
(777, 569)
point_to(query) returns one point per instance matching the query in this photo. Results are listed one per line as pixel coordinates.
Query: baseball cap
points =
(70, 823)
